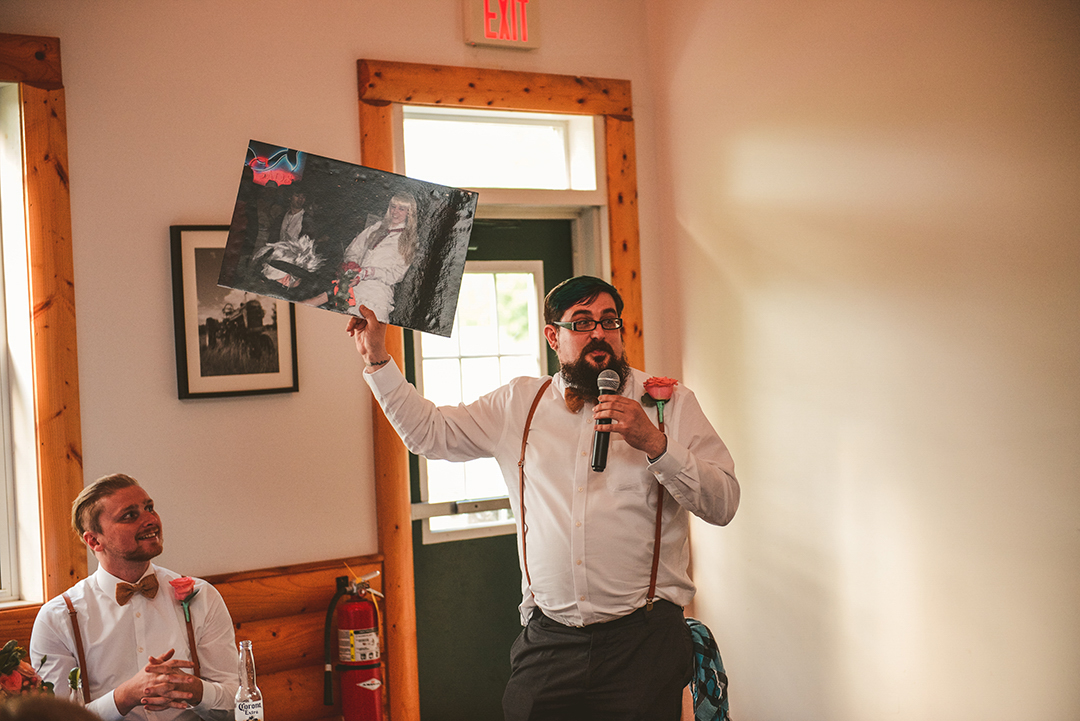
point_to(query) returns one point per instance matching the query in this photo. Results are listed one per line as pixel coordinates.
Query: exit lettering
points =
(506, 20)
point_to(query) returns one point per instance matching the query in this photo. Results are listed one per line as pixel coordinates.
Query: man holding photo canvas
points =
(604, 553)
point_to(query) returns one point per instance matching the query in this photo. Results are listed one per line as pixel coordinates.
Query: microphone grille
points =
(608, 380)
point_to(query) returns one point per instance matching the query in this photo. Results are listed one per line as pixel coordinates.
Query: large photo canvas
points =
(335, 235)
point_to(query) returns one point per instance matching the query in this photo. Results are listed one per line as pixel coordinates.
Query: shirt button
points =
(578, 524)
(579, 562)
(138, 614)
(580, 599)
(580, 489)
(140, 649)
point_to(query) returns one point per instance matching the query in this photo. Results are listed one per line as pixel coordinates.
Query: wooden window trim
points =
(34, 63)
(382, 83)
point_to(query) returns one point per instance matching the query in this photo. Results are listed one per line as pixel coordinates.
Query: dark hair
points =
(86, 509)
(579, 289)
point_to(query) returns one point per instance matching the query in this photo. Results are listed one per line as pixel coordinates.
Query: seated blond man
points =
(132, 629)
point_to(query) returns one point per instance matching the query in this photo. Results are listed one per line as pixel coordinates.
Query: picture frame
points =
(228, 342)
(336, 236)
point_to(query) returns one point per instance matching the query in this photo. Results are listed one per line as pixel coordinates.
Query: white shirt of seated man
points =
(129, 674)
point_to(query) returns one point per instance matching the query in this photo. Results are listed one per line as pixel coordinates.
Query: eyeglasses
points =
(585, 325)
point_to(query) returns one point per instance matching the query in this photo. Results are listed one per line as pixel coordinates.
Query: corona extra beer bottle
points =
(249, 704)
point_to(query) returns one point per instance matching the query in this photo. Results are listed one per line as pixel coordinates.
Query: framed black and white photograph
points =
(336, 235)
(228, 342)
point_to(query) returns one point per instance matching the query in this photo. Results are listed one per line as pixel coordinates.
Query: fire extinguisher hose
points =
(328, 641)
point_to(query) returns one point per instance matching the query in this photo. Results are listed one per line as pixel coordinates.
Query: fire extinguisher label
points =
(358, 645)
(372, 684)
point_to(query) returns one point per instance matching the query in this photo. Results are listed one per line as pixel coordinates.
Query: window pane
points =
(442, 381)
(496, 338)
(477, 377)
(477, 315)
(446, 481)
(517, 312)
(499, 149)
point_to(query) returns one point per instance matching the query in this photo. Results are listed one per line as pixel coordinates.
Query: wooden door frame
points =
(380, 85)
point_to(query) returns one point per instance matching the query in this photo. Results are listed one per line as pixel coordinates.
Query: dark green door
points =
(467, 592)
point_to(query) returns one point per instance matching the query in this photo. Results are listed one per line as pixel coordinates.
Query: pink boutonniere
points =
(184, 591)
(658, 390)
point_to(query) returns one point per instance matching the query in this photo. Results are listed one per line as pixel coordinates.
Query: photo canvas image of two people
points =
(335, 235)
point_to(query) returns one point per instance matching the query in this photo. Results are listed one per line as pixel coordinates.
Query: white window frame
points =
(20, 543)
(424, 510)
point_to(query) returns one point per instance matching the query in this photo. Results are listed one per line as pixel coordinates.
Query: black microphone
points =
(608, 383)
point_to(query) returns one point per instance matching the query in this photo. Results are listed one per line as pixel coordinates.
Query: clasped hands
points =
(162, 684)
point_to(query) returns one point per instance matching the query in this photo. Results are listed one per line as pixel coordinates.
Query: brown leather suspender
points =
(651, 596)
(521, 478)
(84, 680)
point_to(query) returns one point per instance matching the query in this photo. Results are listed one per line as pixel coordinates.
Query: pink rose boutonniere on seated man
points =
(184, 591)
(658, 390)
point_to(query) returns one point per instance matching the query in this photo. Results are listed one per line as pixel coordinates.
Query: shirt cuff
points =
(383, 380)
(669, 463)
(105, 707)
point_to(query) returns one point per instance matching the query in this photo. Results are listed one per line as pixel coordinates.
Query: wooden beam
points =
(55, 352)
(623, 233)
(382, 82)
(31, 60)
(393, 501)
(288, 590)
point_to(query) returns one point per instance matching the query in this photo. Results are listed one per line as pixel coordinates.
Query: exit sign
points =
(502, 23)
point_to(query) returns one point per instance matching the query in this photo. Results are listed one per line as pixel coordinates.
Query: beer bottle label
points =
(249, 711)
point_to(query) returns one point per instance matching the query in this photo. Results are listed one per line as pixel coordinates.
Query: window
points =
(16, 394)
(42, 376)
(496, 337)
(499, 149)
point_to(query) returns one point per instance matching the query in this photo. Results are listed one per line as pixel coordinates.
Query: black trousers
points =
(634, 667)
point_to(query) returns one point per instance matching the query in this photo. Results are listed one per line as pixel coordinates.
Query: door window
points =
(496, 337)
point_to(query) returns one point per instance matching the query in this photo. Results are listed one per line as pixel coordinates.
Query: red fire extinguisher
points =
(356, 650)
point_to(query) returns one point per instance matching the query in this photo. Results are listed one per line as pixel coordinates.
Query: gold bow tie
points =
(148, 587)
(575, 399)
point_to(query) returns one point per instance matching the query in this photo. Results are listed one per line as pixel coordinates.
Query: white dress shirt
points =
(119, 640)
(590, 534)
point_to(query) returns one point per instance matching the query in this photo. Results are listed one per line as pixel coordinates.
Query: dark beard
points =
(582, 375)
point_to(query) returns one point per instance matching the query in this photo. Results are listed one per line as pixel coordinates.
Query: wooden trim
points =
(34, 63)
(623, 234)
(381, 83)
(392, 498)
(30, 60)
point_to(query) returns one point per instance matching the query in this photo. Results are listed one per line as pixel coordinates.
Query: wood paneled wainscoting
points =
(283, 612)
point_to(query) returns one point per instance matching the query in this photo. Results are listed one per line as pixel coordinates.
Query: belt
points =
(637, 616)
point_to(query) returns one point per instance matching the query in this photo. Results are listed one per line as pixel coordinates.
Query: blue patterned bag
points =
(709, 684)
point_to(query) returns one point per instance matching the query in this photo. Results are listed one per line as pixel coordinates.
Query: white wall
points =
(162, 98)
(878, 236)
